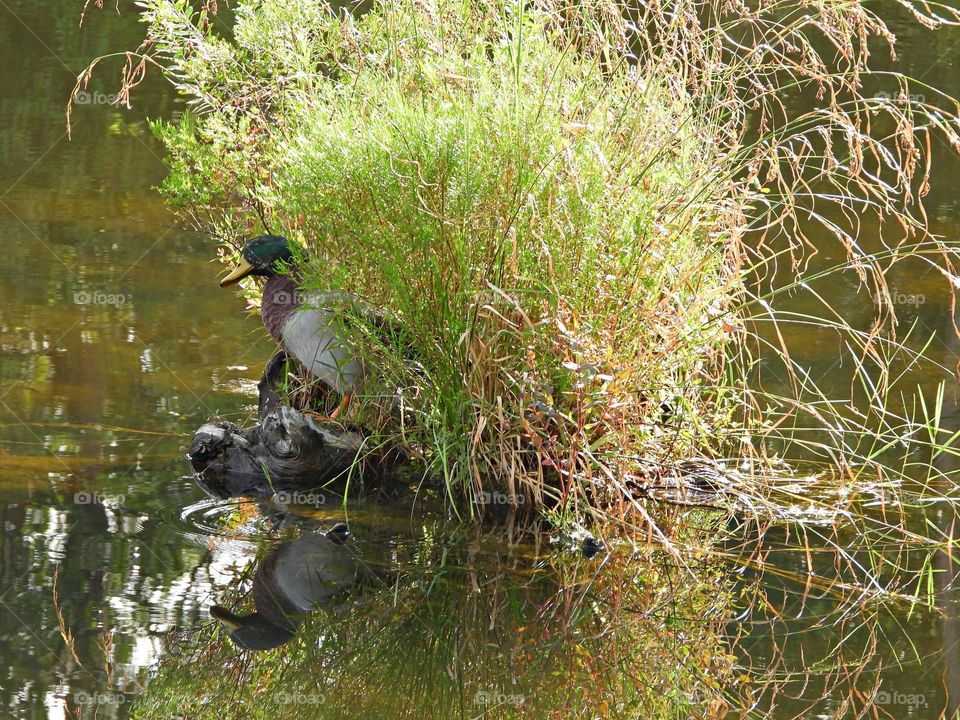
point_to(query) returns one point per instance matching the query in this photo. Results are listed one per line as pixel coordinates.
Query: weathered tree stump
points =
(286, 450)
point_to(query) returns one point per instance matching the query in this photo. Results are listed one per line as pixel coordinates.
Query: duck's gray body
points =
(303, 575)
(294, 579)
(311, 328)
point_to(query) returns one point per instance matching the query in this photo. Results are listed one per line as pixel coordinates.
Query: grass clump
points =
(538, 217)
(582, 214)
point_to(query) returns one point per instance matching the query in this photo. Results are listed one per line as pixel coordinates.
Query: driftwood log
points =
(286, 450)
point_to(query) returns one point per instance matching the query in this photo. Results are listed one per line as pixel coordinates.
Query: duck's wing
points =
(347, 305)
(319, 340)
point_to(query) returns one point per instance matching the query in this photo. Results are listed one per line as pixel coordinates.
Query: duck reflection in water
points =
(295, 578)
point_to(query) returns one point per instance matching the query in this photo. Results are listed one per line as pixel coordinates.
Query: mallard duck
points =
(310, 326)
(295, 578)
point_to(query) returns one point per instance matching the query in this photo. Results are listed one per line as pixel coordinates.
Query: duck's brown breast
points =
(281, 298)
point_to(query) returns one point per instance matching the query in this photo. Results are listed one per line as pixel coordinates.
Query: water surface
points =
(116, 343)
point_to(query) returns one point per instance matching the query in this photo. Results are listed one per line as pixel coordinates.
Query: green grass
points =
(586, 219)
(540, 220)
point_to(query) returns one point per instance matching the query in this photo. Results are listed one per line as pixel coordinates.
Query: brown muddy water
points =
(116, 343)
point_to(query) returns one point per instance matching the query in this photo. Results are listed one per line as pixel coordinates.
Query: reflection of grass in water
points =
(815, 640)
(773, 617)
(465, 630)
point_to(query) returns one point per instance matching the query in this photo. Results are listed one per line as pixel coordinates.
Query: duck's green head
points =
(251, 632)
(265, 255)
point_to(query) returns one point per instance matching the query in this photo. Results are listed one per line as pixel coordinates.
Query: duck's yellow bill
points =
(242, 269)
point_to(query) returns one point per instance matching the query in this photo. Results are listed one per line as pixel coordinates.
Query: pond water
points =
(116, 343)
